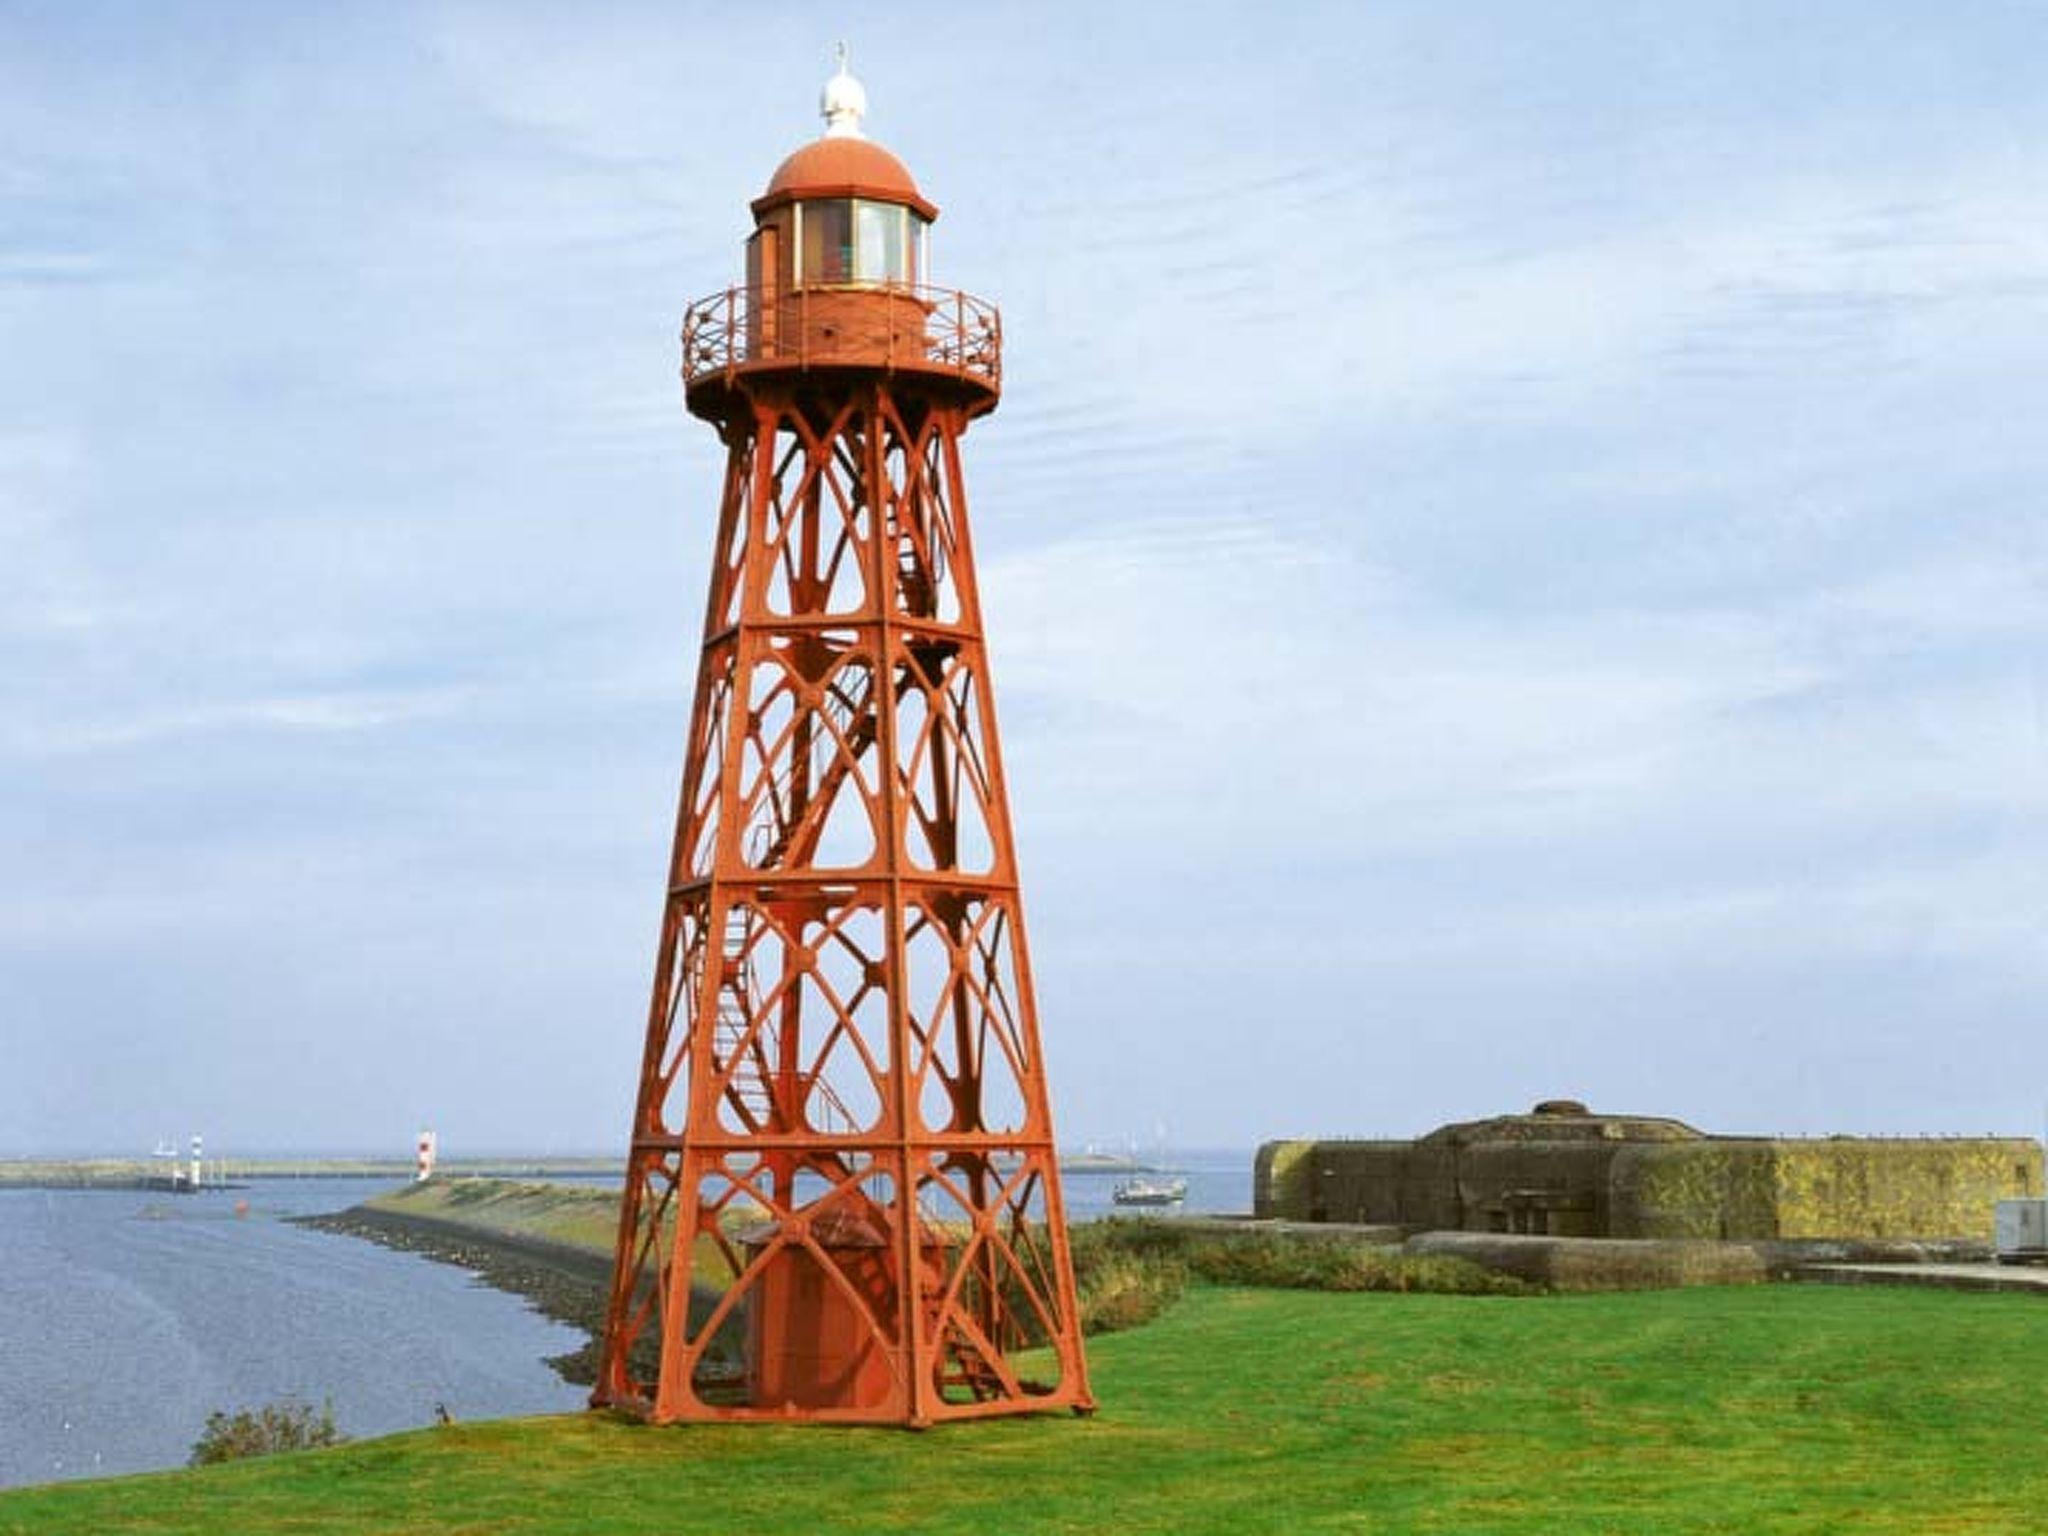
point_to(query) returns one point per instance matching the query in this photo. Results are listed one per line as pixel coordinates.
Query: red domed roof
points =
(840, 165)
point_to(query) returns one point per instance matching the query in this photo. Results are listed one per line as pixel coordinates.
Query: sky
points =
(1513, 551)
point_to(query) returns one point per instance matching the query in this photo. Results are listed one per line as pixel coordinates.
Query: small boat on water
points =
(1144, 1191)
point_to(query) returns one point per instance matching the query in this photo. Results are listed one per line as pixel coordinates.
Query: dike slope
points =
(549, 1243)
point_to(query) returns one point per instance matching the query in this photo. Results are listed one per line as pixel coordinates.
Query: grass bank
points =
(1749, 1410)
(576, 1215)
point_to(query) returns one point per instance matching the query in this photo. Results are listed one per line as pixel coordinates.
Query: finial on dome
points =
(842, 103)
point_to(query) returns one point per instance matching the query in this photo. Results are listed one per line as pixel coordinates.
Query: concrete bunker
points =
(1562, 1170)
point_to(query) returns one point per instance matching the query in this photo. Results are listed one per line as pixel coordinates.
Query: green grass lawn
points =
(1758, 1409)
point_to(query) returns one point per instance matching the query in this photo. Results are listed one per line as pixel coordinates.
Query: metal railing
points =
(894, 325)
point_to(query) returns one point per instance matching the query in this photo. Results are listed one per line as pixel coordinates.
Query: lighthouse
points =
(842, 1201)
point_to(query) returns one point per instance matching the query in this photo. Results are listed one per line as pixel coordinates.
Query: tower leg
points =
(842, 1200)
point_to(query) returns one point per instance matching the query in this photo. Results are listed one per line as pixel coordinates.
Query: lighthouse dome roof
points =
(843, 166)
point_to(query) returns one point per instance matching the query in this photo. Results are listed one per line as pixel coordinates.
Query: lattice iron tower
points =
(842, 1201)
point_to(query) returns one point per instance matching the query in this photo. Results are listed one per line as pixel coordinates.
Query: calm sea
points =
(127, 1316)
(1219, 1184)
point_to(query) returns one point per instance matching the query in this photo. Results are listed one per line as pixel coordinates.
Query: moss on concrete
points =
(1280, 1179)
(1900, 1188)
(1699, 1187)
(1838, 1188)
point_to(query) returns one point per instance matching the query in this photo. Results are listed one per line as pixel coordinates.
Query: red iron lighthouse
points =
(841, 1199)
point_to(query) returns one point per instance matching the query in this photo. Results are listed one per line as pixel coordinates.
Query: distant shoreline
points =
(149, 1173)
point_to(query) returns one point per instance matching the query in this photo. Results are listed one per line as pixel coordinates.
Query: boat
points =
(1144, 1191)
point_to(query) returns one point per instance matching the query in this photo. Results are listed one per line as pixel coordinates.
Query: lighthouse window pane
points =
(878, 238)
(828, 242)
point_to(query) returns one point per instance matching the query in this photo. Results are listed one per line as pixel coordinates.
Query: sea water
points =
(1219, 1184)
(127, 1316)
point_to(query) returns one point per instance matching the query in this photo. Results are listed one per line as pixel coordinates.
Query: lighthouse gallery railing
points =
(891, 325)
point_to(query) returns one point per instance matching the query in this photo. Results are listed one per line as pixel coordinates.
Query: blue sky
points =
(1513, 545)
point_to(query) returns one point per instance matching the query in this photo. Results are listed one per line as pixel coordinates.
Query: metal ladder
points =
(747, 1083)
(773, 828)
(961, 1364)
(919, 582)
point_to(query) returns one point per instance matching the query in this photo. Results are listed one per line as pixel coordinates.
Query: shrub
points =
(1317, 1264)
(1176, 1253)
(1122, 1290)
(1128, 1271)
(282, 1426)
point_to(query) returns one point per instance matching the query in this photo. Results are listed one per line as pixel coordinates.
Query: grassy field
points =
(1756, 1409)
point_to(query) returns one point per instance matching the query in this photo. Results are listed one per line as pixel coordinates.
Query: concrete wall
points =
(1714, 1187)
(1279, 1179)
(1559, 1189)
(1840, 1187)
(1356, 1181)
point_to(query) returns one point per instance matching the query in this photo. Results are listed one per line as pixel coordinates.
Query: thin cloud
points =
(315, 714)
(1514, 536)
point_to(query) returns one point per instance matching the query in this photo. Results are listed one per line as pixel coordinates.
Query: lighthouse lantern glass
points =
(879, 243)
(827, 242)
(858, 241)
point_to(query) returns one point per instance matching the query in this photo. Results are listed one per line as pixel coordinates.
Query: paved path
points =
(1952, 1277)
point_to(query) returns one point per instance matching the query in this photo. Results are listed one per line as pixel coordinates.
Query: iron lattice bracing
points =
(842, 1200)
